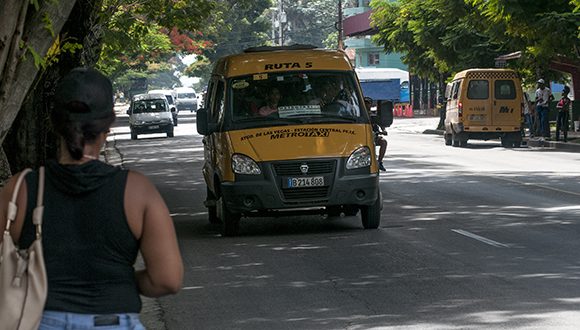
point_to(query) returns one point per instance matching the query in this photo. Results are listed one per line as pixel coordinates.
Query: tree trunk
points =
(21, 23)
(31, 140)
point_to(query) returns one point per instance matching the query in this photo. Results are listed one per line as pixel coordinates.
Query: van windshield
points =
(295, 97)
(144, 106)
(185, 95)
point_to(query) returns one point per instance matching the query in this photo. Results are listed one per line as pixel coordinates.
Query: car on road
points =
(186, 99)
(170, 96)
(150, 113)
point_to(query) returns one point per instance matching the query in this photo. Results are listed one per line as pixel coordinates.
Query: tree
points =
(26, 34)
(441, 36)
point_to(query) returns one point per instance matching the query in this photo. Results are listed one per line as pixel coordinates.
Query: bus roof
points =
(282, 60)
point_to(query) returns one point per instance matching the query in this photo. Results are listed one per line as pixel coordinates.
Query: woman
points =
(97, 218)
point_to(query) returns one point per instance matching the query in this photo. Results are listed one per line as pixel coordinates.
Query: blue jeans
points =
(528, 120)
(543, 121)
(52, 320)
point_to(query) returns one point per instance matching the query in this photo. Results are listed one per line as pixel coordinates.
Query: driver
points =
(329, 97)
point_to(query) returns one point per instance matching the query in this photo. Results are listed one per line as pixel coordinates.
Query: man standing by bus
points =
(543, 98)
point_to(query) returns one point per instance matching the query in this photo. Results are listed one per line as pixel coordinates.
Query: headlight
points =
(361, 157)
(139, 122)
(242, 164)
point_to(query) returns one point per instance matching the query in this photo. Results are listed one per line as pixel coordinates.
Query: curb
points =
(568, 146)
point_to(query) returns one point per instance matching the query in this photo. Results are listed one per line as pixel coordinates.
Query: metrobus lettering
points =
(300, 134)
(289, 65)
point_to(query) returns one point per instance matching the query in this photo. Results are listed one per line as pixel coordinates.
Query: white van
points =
(150, 113)
(186, 99)
(170, 96)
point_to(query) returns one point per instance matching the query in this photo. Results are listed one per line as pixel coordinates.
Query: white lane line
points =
(480, 238)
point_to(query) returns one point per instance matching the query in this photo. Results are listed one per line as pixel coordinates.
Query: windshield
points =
(143, 106)
(185, 95)
(298, 97)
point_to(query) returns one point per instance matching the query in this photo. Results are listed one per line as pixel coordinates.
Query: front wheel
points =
(371, 214)
(230, 221)
(211, 207)
(170, 133)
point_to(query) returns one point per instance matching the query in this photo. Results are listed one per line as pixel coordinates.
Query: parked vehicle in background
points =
(286, 132)
(150, 113)
(170, 96)
(186, 99)
(484, 104)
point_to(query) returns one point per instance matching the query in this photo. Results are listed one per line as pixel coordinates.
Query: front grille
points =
(314, 167)
(305, 193)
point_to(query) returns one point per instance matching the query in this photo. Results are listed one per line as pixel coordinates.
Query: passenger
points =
(272, 101)
(97, 219)
(378, 133)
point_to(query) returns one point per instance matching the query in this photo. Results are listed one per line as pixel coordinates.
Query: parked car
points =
(170, 96)
(186, 99)
(150, 113)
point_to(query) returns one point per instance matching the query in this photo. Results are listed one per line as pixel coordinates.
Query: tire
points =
(211, 207)
(133, 135)
(455, 139)
(371, 214)
(170, 133)
(230, 221)
(447, 138)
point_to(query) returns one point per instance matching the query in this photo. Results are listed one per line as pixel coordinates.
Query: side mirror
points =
(173, 109)
(129, 111)
(204, 127)
(385, 113)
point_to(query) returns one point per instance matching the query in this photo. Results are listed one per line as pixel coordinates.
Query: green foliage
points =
(444, 36)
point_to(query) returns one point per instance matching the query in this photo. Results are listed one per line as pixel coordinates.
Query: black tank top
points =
(89, 250)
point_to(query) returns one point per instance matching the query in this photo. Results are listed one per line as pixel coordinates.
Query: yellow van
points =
(484, 104)
(285, 133)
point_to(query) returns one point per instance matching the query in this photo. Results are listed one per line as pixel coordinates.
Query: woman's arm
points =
(150, 222)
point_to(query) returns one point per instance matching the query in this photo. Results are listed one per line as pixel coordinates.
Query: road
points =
(481, 237)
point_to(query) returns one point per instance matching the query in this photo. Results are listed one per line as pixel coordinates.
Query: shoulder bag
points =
(23, 283)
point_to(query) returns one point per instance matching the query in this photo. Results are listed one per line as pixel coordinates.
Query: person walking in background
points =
(563, 108)
(543, 98)
(97, 218)
(378, 133)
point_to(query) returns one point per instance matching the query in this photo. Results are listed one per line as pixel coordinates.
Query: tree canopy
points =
(439, 37)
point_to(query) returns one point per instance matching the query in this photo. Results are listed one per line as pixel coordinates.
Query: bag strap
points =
(38, 210)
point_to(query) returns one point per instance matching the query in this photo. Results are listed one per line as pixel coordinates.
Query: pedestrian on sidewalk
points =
(97, 219)
(528, 116)
(378, 133)
(563, 108)
(543, 98)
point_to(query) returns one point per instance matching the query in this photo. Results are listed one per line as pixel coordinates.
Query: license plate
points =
(154, 127)
(312, 181)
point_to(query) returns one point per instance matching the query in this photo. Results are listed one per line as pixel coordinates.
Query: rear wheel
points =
(455, 139)
(447, 138)
(371, 214)
(230, 221)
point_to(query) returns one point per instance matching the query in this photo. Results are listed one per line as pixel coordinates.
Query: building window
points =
(373, 58)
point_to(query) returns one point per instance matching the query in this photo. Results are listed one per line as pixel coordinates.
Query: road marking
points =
(540, 186)
(480, 238)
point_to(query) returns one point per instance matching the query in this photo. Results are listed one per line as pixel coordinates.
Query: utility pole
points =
(339, 25)
(281, 19)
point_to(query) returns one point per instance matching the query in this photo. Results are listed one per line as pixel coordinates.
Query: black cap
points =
(89, 87)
